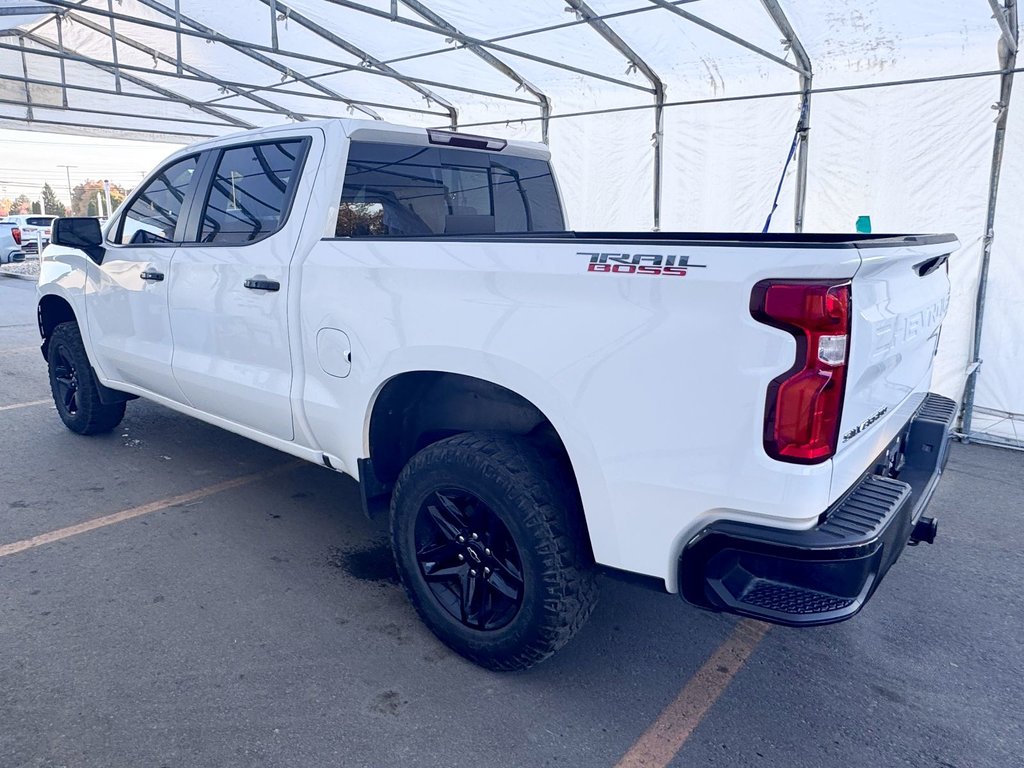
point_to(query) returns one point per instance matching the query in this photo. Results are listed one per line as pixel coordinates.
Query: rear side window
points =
(252, 189)
(395, 190)
(153, 215)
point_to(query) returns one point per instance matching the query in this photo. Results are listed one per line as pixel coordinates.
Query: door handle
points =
(262, 284)
(152, 275)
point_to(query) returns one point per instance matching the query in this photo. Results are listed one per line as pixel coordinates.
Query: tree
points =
(53, 206)
(83, 197)
(5, 206)
(36, 208)
(22, 204)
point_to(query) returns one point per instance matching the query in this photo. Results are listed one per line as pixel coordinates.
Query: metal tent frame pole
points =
(181, 21)
(466, 41)
(484, 55)
(206, 76)
(637, 62)
(255, 51)
(803, 127)
(1006, 18)
(246, 88)
(141, 82)
(368, 59)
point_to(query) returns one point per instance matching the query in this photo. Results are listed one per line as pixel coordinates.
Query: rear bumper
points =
(825, 574)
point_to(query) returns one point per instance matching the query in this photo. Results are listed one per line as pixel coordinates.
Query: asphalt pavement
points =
(261, 625)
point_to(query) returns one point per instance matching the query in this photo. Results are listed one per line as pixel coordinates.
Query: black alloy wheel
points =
(66, 380)
(492, 549)
(76, 392)
(469, 560)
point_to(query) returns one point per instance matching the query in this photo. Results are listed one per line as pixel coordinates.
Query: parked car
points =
(10, 243)
(33, 228)
(744, 419)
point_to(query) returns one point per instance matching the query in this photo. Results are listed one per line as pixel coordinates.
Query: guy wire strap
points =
(789, 159)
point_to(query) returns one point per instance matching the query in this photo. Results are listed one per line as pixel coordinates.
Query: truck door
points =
(229, 297)
(126, 298)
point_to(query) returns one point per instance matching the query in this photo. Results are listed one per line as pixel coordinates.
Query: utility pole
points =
(106, 195)
(67, 169)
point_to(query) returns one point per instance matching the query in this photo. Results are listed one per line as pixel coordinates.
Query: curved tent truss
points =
(681, 114)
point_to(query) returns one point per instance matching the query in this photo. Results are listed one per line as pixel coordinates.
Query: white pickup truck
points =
(743, 418)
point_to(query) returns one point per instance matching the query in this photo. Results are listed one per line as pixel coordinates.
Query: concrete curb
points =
(16, 276)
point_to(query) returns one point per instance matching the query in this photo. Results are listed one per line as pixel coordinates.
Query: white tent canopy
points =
(674, 114)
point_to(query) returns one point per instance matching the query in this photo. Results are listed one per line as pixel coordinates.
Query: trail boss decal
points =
(639, 263)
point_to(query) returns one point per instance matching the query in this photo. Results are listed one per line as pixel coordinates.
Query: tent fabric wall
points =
(913, 157)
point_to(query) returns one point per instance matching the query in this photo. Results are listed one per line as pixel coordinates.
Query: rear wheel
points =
(74, 385)
(490, 549)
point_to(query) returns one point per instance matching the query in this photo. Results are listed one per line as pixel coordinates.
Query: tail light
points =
(16, 234)
(804, 405)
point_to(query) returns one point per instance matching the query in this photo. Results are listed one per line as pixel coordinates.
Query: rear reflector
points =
(804, 405)
(467, 140)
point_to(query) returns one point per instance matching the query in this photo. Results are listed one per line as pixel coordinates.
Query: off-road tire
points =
(540, 511)
(84, 413)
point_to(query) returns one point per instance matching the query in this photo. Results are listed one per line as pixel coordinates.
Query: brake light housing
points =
(16, 234)
(804, 405)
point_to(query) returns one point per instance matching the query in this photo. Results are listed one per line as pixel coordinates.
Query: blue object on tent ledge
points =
(864, 224)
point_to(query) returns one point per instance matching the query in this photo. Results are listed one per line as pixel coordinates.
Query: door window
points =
(251, 191)
(153, 215)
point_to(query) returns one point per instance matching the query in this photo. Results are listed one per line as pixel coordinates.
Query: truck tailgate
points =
(899, 298)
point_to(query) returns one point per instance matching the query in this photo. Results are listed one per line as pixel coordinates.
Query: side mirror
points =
(79, 232)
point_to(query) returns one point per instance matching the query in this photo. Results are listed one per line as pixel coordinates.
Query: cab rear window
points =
(397, 190)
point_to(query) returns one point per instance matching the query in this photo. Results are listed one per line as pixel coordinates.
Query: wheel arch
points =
(415, 408)
(52, 310)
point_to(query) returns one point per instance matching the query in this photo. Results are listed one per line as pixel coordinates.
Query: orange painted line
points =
(24, 405)
(660, 743)
(144, 509)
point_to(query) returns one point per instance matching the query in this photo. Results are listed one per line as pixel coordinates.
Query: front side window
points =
(251, 190)
(399, 190)
(153, 215)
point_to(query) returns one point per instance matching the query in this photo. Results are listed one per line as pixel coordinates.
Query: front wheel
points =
(490, 548)
(74, 386)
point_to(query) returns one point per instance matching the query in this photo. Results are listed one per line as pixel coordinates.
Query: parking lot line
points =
(144, 509)
(660, 743)
(24, 405)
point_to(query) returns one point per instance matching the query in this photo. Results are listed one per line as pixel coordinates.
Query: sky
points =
(30, 158)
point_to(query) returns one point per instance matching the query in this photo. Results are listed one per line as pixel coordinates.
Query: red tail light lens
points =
(16, 234)
(804, 405)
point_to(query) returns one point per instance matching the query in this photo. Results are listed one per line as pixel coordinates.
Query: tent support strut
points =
(803, 127)
(24, 69)
(441, 23)
(610, 36)
(1007, 17)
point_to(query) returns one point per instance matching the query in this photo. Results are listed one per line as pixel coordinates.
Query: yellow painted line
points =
(24, 405)
(144, 509)
(660, 743)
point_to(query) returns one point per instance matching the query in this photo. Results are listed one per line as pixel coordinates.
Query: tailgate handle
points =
(928, 266)
(152, 274)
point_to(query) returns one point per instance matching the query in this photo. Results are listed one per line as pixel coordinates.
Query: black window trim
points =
(193, 224)
(186, 205)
